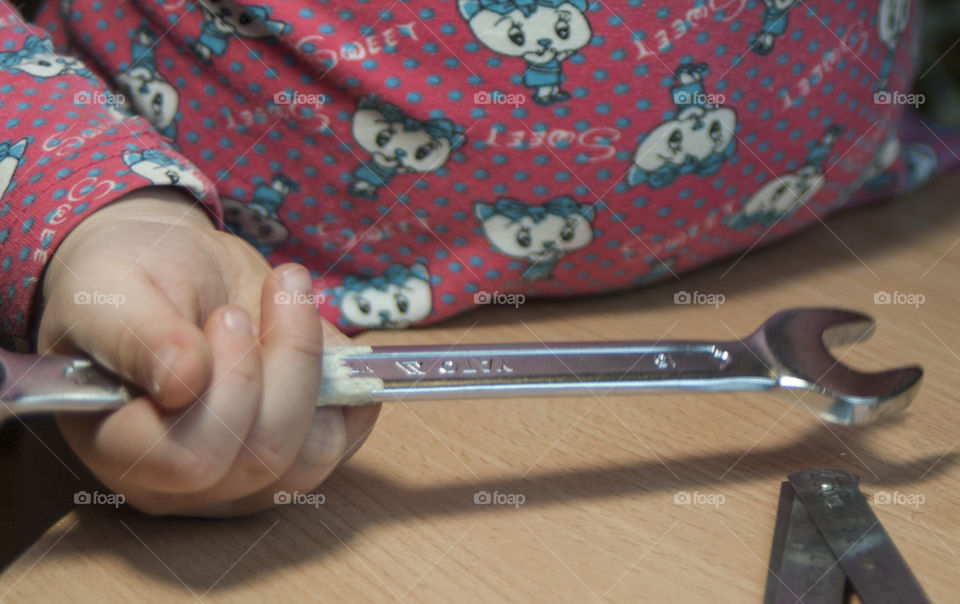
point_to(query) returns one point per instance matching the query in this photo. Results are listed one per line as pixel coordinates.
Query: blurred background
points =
(939, 75)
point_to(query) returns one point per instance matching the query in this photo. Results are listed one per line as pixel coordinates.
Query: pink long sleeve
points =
(67, 149)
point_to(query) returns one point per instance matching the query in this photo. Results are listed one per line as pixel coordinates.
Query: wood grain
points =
(599, 475)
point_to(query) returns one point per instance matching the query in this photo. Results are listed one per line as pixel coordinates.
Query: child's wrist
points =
(154, 204)
(166, 205)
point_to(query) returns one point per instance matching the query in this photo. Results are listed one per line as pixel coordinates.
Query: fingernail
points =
(167, 366)
(326, 439)
(238, 322)
(297, 280)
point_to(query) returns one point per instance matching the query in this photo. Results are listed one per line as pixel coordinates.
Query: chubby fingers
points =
(255, 431)
(291, 339)
(293, 445)
(129, 326)
(335, 435)
(142, 447)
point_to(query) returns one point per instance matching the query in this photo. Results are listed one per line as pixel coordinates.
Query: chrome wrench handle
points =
(363, 375)
(788, 355)
(50, 383)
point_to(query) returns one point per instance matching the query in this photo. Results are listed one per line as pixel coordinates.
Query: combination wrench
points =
(788, 355)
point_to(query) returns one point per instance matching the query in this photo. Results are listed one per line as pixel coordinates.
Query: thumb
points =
(130, 327)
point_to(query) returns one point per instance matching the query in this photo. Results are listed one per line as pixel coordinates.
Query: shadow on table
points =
(204, 555)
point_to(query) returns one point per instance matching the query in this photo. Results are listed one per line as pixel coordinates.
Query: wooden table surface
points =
(599, 477)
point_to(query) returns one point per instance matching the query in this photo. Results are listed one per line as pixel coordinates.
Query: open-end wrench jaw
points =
(796, 345)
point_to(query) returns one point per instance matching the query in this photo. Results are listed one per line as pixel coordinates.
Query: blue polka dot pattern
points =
(415, 156)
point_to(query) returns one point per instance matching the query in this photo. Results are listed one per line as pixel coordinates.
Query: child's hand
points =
(192, 315)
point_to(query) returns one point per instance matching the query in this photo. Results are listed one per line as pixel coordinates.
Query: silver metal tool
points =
(787, 355)
(826, 535)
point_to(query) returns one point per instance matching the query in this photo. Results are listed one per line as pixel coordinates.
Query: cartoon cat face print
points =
(241, 20)
(784, 194)
(544, 33)
(541, 234)
(10, 154)
(49, 65)
(161, 169)
(396, 145)
(920, 159)
(38, 59)
(892, 20)
(694, 135)
(226, 19)
(533, 237)
(398, 298)
(153, 97)
(254, 223)
(697, 141)
(150, 93)
(539, 36)
(258, 221)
